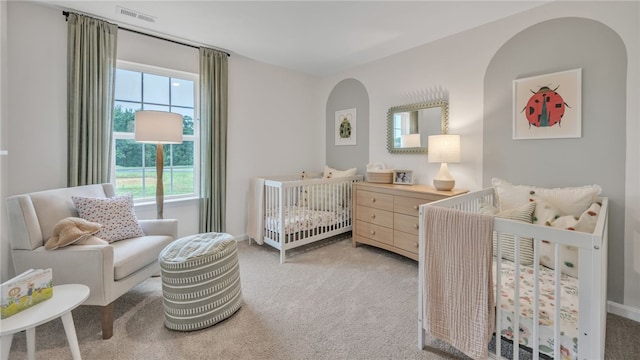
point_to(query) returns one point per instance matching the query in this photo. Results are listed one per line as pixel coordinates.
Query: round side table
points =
(65, 298)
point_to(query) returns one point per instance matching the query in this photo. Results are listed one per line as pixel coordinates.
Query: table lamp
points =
(444, 149)
(158, 127)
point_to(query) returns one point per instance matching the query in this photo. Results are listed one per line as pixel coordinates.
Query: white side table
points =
(65, 298)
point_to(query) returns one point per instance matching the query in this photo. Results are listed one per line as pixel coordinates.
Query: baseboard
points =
(242, 237)
(623, 310)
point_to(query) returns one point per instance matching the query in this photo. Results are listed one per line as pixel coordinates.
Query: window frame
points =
(160, 71)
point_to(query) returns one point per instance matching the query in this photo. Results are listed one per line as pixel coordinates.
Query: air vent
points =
(135, 14)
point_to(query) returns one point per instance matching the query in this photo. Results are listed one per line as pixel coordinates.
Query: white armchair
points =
(108, 270)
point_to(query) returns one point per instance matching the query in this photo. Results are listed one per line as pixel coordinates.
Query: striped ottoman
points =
(200, 281)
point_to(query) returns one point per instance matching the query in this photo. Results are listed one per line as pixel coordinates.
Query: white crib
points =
(548, 336)
(298, 212)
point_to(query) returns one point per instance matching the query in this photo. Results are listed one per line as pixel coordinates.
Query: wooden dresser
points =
(387, 215)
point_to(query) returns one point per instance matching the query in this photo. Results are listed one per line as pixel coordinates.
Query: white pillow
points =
(569, 200)
(585, 223)
(334, 173)
(116, 215)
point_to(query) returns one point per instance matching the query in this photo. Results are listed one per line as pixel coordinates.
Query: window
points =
(142, 87)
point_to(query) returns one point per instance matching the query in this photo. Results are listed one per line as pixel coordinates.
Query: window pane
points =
(128, 85)
(181, 92)
(129, 172)
(156, 89)
(187, 119)
(124, 116)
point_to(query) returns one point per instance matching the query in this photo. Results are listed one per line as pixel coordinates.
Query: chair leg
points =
(106, 315)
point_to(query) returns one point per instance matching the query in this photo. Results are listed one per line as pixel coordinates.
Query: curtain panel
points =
(213, 139)
(91, 66)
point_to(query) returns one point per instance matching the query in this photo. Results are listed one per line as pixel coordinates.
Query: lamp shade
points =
(410, 140)
(444, 148)
(158, 127)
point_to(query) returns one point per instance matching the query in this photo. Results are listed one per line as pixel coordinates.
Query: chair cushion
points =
(131, 255)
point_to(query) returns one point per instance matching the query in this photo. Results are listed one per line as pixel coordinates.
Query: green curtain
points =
(91, 67)
(213, 139)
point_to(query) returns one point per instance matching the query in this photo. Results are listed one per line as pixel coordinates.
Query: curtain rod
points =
(66, 15)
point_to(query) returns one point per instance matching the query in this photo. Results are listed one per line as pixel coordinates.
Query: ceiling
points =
(315, 37)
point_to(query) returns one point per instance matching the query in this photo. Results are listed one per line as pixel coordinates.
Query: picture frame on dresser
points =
(403, 177)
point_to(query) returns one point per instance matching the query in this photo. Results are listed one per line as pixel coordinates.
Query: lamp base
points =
(444, 185)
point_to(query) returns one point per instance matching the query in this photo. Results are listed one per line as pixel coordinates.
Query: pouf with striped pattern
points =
(200, 281)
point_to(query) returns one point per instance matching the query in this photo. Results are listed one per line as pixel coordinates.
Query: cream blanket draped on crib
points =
(459, 304)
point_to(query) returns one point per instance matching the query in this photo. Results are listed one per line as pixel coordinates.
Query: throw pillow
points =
(585, 223)
(569, 200)
(507, 241)
(334, 173)
(71, 230)
(116, 215)
(545, 212)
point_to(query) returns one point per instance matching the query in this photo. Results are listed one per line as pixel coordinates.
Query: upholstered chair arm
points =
(160, 227)
(91, 265)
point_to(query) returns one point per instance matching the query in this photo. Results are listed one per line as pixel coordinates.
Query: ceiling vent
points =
(135, 14)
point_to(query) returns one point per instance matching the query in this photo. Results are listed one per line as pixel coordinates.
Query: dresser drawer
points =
(406, 223)
(374, 232)
(405, 241)
(374, 216)
(407, 205)
(375, 200)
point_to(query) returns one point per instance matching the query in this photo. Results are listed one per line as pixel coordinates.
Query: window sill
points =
(167, 202)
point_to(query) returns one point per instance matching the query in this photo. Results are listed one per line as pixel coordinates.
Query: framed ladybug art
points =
(548, 106)
(345, 130)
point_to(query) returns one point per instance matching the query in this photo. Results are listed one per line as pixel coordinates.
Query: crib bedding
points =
(546, 288)
(298, 218)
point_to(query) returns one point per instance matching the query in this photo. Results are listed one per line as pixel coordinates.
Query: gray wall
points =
(348, 94)
(596, 158)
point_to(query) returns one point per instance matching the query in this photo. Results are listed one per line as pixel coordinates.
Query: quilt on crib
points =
(298, 219)
(546, 288)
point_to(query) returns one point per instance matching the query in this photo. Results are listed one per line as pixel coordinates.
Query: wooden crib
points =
(298, 212)
(574, 332)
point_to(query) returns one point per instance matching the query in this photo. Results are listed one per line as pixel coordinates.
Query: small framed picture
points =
(403, 177)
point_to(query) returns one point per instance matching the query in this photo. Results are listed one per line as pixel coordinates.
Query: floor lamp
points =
(158, 127)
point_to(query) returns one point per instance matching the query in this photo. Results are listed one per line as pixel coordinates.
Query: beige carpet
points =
(329, 301)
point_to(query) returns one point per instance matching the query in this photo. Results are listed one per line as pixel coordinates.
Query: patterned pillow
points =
(116, 215)
(585, 223)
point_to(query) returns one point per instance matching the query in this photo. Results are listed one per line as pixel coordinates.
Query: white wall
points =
(458, 64)
(4, 245)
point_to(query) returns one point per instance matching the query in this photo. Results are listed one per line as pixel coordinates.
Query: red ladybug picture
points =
(545, 108)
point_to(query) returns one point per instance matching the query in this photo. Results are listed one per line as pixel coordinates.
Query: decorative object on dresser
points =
(386, 215)
(403, 177)
(376, 173)
(444, 148)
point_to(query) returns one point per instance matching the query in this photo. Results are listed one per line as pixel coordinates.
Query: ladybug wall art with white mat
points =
(548, 106)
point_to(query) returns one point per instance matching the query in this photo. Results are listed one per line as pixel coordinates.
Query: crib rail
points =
(592, 256)
(299, 212)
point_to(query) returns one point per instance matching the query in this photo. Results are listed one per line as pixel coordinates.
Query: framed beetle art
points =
(548, 106)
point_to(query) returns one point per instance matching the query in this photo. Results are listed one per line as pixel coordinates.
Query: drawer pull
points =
(416, 244)
(373, 216)
(373, 200)
(415, 226)
(373, 232)
(415, 207)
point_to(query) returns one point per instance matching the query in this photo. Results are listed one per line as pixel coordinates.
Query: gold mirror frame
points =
(444, 124)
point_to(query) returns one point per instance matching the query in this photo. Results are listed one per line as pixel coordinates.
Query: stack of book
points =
(25, 290)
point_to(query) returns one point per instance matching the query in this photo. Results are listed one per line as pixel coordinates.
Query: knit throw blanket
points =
(459, 304)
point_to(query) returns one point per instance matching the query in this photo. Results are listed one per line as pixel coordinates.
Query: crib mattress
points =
(298, 219)
(568, 312)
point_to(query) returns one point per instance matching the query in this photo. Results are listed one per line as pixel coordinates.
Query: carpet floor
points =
(329, 301)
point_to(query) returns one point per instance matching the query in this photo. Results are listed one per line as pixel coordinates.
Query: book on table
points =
(24, 291)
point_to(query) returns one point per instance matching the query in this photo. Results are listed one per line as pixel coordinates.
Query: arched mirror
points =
(409, 126)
